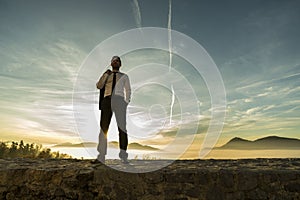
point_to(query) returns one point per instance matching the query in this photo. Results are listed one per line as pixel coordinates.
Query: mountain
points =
(138, 146)
(112, 144)
(84, 144)
(270, 142)
(133, 145)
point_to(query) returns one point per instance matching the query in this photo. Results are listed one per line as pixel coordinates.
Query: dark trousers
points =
(118, 106)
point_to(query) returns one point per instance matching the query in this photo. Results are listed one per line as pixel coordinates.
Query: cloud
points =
(137, 13)
(252, 110)
(248, 100)
(38, 85)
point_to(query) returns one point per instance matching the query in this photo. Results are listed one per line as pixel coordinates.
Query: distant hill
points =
(112, 144)
(84, 144)
(133, 145)
(141, 147)
(271, 142)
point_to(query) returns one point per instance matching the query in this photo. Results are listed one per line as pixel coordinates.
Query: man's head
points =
(116, 62)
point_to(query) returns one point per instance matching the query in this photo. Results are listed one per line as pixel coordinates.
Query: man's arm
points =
(103, 79)
(127, 89)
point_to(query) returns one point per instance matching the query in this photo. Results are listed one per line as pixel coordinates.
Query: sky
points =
(254, 44)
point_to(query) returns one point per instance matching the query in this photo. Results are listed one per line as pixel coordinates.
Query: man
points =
(116, 98)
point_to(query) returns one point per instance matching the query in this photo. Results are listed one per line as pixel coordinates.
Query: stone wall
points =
(194, 179)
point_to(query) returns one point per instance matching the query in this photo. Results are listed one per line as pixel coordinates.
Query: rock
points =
(257, 194)
(154, 177)
(226, 178)
(183, 179)
(293, 187)
(59, 192)
(193, 192)
(215, 193)
(234, 195)
(247, 180)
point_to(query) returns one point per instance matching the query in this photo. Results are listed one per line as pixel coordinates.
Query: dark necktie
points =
(114, 82)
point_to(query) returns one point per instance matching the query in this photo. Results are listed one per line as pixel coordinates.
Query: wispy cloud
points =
(137, 13)
(37, 85)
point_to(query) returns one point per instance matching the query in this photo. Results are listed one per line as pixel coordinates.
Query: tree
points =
(21, 150)
(13, 150)
(3, 150)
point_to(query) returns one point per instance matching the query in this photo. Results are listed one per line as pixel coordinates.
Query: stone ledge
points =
(183, 179)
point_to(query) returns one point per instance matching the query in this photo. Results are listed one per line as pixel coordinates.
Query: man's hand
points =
(108, 72)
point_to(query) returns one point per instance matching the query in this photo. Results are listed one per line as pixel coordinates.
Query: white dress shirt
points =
(122, 87)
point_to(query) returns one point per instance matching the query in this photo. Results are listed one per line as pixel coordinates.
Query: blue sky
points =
(255, 45)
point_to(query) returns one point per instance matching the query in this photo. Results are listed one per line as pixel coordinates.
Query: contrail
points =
(170, 57)
(169, 34)
(137, 13)
(172, 104)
